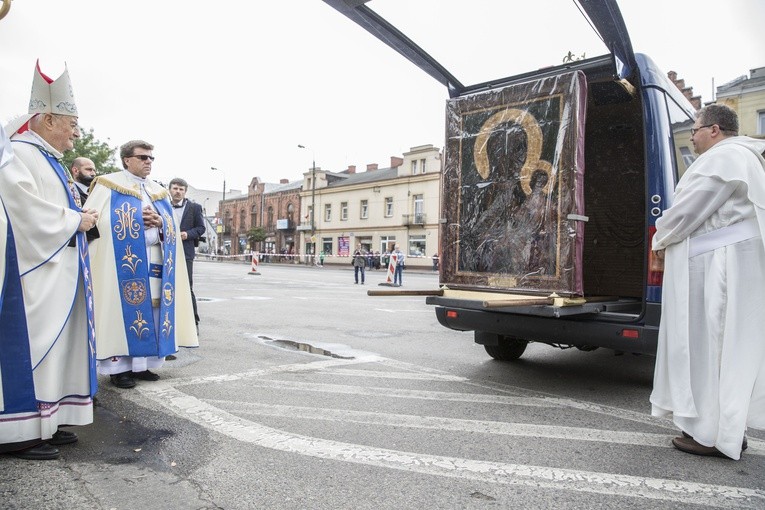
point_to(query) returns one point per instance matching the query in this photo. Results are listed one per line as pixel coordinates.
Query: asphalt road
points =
(307, 393)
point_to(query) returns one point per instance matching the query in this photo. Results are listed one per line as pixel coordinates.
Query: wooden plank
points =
(407, 292)
(503, 303)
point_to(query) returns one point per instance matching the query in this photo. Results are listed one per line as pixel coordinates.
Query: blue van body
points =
(662, 116)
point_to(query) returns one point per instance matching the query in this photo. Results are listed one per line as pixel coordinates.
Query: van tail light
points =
(655, 264)
(451, 314)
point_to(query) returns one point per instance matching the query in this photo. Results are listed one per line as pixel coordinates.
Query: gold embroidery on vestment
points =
(139, 325)
(126, 223)
(167, 326)
(132, 259)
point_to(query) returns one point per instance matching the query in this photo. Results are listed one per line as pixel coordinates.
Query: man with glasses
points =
(143, 300)
(46, 339)
(710, 362)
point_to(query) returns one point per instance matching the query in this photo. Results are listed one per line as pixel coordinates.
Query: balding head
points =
(83, 171)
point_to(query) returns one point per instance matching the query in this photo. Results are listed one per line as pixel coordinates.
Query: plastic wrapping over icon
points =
(513, 187)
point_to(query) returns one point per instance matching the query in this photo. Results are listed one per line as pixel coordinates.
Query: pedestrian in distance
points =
(140, 283)
(46, 308)
(398, 270)
(359, 263)
(710, 360)
(188, 215)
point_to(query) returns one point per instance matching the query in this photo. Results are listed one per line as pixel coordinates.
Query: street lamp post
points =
(313, 203)
(220, 209)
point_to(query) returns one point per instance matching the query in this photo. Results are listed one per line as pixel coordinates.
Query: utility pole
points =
(221, 243)
(313, 204)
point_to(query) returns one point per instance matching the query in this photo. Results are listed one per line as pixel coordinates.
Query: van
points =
(552, 183)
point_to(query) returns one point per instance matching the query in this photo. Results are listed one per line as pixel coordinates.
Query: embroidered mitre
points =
(52, 96)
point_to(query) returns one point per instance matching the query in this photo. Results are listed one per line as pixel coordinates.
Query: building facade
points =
(280, 218)
(746, 95)
(273, 207)
(375, 209)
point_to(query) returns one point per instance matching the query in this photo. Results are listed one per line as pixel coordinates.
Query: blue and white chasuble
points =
(140, 282)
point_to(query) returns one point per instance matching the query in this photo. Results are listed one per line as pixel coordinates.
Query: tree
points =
(256, 235)
(87, 146)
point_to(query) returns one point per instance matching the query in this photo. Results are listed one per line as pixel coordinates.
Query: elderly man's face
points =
(139, 164)
(62, 133)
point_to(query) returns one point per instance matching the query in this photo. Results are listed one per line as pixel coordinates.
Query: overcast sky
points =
(238, 85)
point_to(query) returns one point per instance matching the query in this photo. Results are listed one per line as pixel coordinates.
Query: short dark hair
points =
(724, 116)
(127, 149)
(178, 182)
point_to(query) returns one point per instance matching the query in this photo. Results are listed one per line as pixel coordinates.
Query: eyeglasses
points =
(143, 157)
(695, 130)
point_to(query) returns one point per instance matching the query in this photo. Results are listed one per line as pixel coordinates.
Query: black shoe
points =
(744, 444)
(63, 437)
(690, 445)
(123, 380)
(170, 357)
(146, 375)
(42, 451)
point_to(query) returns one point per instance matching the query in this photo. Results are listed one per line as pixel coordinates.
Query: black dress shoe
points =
(123, 380)
(744, 444)
(63, 437)
(170, 357)
(146, 375)
(42, 451)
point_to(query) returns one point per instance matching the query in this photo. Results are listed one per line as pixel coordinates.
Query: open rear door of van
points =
(513, 173)
(603, 15)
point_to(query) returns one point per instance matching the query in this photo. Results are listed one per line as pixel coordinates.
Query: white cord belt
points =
(731, 234)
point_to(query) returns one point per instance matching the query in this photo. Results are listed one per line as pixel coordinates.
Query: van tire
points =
(508, 348)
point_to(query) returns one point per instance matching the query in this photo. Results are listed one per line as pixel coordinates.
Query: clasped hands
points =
(151, 219)
(88, 219)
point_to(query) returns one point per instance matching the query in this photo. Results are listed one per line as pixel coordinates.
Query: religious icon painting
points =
(512, 182)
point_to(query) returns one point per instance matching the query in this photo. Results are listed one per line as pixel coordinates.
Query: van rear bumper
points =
(592, 331)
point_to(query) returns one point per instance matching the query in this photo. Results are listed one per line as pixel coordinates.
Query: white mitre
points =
(48, 96)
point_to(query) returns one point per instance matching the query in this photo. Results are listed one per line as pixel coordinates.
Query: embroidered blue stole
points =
(145, 338)
(15, 360)
(84, 264)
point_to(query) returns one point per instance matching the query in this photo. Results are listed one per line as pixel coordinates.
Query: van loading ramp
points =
(522, 304)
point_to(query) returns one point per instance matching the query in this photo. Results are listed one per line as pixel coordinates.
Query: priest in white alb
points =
(710, 361)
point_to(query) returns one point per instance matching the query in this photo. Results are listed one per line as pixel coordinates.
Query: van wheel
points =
(508, 349)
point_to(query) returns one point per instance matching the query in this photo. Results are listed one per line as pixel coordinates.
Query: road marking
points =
(448, 424)
(372, 391)
(292, 368)
(394, 375)
(215, 419)
(534, 398)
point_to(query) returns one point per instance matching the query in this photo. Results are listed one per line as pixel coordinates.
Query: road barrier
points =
(391, 268)
(254, 264)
